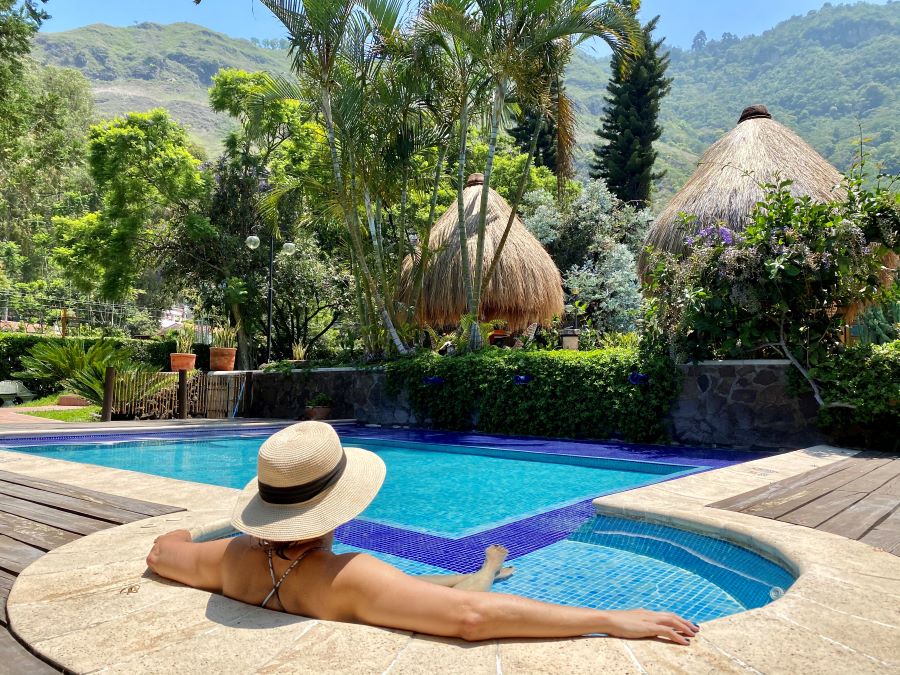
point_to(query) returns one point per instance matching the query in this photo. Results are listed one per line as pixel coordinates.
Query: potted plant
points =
(318, 407)
(499, 333)
(224, 348)
(184, 358)
(298, 352)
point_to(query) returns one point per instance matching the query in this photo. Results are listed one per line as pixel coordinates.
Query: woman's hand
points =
(174, 535)
(643, 623)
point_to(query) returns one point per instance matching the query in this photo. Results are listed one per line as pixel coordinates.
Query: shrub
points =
(780, 286)
(615, 392)
(863, 385)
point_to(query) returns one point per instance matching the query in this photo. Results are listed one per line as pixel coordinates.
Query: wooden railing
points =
(157, 396)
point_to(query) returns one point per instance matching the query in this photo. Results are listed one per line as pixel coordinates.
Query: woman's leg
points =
(476, 581)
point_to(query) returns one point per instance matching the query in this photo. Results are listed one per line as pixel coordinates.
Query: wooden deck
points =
(37, 516)
(858, 498)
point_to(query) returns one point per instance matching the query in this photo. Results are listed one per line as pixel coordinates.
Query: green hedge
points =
(571, 394)
(154, 352)
(868, 379)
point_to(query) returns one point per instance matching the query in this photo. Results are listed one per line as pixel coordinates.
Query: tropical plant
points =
(298, 351)
(319, 400)
(224, 335)
(518, 48)
(78, 369)
(185, 337)
(391, 101)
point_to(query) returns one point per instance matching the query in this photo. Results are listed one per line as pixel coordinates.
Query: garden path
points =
(9, 416)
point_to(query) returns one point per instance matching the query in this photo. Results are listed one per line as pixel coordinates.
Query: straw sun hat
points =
(306, 485)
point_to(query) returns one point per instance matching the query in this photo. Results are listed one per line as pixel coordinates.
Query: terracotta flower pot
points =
(179, 361)
(222, 358)
(318, 412)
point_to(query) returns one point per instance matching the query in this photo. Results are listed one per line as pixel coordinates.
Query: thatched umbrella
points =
(726, 185)
(525, 288)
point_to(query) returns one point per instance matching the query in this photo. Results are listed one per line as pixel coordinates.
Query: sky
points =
(680, 19)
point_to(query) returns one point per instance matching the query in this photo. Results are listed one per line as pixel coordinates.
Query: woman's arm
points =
(174, 556)
(375, 593)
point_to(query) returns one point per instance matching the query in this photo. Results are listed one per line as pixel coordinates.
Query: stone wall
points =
(357, 394)
(742, 403)
(733, 403)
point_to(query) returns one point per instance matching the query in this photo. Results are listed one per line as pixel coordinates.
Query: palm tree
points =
(337, 46)
(520, 47)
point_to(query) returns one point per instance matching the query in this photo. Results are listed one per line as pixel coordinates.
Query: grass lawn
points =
(50, 399)
(85, 414)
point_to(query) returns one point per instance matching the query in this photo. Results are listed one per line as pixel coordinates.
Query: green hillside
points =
(824, 74)
(150, 65)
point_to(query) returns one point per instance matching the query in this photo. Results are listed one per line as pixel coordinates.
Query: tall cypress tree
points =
(624, 154)
(545, 153)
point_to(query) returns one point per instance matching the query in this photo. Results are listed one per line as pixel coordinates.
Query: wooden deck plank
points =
(6, 580)
(875, 479)
(862, 516)
(892, 487)
(742, 501)
(37, 516)
(71, 522)
(821, 509)
(858, 498)
(36, 534)
(16, 659)
(72, 504)
(15, 556)
(785, 502)
(125, 503)
(883, 539)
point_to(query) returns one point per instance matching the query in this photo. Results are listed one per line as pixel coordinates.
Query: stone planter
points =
(318, 412)
(222, 358)
(72, 399)
(179, 361)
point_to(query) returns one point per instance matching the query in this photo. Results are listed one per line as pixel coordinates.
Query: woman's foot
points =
(504, 573)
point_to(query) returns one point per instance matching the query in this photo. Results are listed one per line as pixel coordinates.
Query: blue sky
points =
(681, 19)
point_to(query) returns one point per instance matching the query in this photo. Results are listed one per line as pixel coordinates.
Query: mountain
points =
(830, 75)
(151, 65)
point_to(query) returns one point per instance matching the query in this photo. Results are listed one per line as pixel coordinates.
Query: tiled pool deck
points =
(90, 604)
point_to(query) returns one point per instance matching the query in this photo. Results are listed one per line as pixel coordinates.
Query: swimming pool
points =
(442, 504)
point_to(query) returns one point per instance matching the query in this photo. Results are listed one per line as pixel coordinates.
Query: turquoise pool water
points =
(427, 488)
(442, 504)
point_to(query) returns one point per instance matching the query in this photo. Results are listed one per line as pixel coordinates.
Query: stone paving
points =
(9, 416)
(92, 604)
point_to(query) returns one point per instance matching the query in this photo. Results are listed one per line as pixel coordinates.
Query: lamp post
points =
(252, 242)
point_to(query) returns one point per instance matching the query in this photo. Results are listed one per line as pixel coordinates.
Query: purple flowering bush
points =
(780, 287)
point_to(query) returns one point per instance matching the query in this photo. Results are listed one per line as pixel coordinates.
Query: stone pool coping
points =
(91, 605)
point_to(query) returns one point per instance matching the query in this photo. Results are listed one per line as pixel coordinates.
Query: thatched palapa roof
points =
(525, 288)
(726, 185)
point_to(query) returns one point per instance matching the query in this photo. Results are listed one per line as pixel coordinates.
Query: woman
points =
(307, 485)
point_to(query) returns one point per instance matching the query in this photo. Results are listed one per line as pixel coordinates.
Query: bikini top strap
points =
(277, 584)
